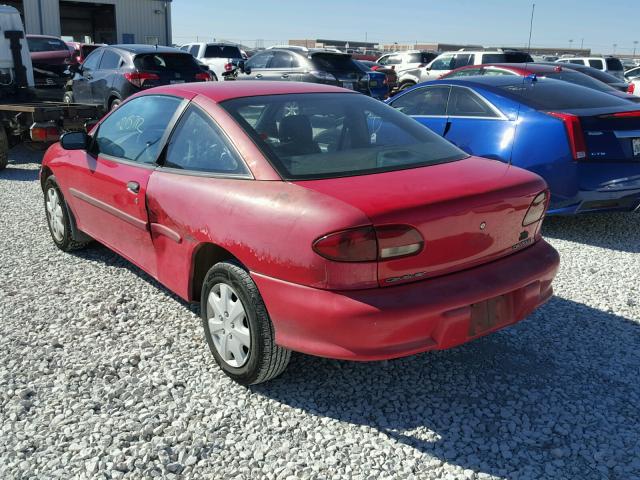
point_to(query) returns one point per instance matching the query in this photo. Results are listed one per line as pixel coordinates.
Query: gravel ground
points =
(105, 374)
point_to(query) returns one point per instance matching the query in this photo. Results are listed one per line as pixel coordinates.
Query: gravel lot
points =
(105, 374)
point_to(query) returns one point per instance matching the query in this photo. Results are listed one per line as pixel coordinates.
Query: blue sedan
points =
(584, 143)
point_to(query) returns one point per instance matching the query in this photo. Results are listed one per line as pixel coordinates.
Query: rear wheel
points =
(238, 328)
(115, 103)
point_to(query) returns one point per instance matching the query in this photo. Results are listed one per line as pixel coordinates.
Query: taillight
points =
(574, 134)
(368, 244)
(203, 77)
(536, 209)
(138, 78)
(631, 88)
(44, 132)
(228, 67)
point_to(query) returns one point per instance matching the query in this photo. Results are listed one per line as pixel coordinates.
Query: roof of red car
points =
(520, 68)
(226, 90)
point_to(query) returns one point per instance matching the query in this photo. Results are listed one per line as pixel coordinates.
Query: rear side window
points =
(467, 72)
(547, 94)
(507, 57)
(133, 131)
(283, 60)
(46, 44)
(222, 51)
(428, 101)
(599, 64)
(110, 60)
(260, 60)
(156, 62)
(198, 145)
(614, 64)
(334, 63)
(462, 60)
(577, 61)
(465, 103)
(444, 62)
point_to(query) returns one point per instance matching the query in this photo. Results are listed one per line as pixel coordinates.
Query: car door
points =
(256, 66)
(82, 80)
(428, 105)
(283, 66)
(441, 65)
(477, 126)
(103, 76)
(198, 160)
(108, 187)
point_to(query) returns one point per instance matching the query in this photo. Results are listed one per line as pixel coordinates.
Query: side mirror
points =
(242, 66)
(74, 141)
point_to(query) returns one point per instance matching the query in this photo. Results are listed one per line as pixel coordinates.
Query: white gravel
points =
(104, 374)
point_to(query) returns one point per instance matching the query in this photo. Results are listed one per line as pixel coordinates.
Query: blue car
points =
(584, 143)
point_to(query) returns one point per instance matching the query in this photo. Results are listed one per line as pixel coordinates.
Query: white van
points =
(10, 76)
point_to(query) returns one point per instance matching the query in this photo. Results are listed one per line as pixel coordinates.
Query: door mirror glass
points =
(74, 141)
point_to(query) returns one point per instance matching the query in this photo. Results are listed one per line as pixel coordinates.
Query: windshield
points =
(326, 135)
(553, 95)
(46, 44)
(222, 51)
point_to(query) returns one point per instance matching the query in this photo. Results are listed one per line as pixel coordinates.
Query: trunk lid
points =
(469, 212)
(342, 67)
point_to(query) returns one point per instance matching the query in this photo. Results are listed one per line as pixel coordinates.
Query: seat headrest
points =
(296, 128)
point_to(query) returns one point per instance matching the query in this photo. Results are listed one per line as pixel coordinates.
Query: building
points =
(98, 21)
(341, 44)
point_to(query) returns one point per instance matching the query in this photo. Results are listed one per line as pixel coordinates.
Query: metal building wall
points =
(141, 18)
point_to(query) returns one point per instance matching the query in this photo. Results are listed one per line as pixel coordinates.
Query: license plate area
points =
(635, 143)
(489, 314)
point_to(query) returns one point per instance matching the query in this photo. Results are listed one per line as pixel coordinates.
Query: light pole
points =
(635, 44)
(614, 48)
(570, 43)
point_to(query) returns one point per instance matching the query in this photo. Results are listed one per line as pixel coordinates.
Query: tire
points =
(405, 85)
(58, 218)
(115, 103)
(67, 97)
(259, 361)
(4, 148)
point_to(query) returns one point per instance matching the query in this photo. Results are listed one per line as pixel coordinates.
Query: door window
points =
(92, 61)
(282, 60)
(467, 72)
(462, 60)
(465, 103)
(110, 60)
(194, 49)
(443, 62)
(134, 131)
(599, 64)
(198, 145)
(424, 101)
(260, 60)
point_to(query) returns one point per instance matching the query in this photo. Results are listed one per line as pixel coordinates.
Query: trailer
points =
(42, 123)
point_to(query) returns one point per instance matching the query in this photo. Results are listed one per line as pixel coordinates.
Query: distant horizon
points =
(559, 24)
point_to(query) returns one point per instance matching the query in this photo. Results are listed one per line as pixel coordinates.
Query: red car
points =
(51, 58)
(304, 217)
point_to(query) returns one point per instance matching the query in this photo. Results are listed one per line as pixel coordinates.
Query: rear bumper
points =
(599, 201)
(390, 322)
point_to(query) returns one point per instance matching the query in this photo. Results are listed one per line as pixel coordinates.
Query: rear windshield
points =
(581, 79)
(327, 135)
(614, 64)
(553, 95)
(333, 63)
(507, 57)
(222, 51)
(165, 61)
(46, 45)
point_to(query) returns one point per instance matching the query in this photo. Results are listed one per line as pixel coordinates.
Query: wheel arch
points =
(205, 256)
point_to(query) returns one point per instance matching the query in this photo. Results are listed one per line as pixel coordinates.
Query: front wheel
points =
(238, 328)
(115, 103)
(58, 218)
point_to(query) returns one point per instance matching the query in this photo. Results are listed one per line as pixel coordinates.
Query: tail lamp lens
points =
(574, 134)
(203, 77)
(228, 67)
(631, 88)
(138, 78)
(536, 209)
(369, 244)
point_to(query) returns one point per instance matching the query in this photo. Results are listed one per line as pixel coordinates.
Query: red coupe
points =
(304, 217)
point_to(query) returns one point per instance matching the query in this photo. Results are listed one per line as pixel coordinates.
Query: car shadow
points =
(24, 164)
(520, 399)
(616, 231)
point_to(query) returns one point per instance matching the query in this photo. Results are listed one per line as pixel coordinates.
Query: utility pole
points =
(533, 9)
(635, 44)
(581, 43)
(614, 48)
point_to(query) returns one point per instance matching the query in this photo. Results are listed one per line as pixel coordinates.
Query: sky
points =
(599, 24)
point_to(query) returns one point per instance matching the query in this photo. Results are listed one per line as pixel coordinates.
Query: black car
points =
(111, 74)
(604, 77)
(301, 65)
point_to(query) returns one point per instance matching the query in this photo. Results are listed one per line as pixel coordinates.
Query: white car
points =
(632, 74)
(219, 57)
(448, 61)
(611, 65)
(634, 87)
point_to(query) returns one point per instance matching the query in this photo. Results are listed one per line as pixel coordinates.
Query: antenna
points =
(533, 9)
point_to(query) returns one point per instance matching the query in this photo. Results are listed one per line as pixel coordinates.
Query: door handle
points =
(285, 75)
(258, 75)
(133, 187)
